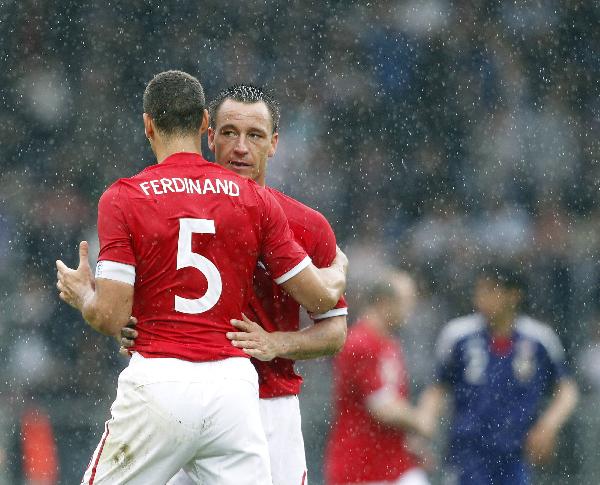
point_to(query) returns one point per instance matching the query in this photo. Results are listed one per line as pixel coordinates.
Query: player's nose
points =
(241, 146)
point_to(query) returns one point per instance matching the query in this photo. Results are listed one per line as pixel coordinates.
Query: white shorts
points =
(171, 414)
(283, 427)
(414, 476)
(282, 424)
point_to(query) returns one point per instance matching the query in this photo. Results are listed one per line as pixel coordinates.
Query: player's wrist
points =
(280, 342)
(549, 424)
(86, 298)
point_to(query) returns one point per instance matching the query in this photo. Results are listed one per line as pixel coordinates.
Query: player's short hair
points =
(175, 101)
(380, 290)
(383, 288)
(246, 93)
(507, 275)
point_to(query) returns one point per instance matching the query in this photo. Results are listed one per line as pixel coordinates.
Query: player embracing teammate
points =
(243, 134)
(182, 262)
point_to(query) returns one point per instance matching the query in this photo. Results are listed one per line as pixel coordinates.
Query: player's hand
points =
(422, 450)
(128, 336)
(253, 339)
(76, 286)
(541, 442)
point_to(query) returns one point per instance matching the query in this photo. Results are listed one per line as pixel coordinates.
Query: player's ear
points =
(204, 125)
(274, 140)
(148, 126)
(211, 138)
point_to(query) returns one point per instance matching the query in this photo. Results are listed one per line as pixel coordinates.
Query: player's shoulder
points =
(456, 330)
(300, 213)
(541, 333)
(114, 190)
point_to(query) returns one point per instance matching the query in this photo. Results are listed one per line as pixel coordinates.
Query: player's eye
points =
(229, 133)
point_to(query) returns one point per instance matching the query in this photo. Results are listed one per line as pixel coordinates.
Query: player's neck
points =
(377, 322)
(166, 148)
(502, 325)
(261, 180)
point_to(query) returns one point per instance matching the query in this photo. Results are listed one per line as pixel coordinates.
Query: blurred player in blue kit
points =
(499, 365)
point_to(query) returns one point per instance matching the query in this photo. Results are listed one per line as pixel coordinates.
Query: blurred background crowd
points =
(433, 135)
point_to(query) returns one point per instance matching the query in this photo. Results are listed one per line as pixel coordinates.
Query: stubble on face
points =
(243, 138)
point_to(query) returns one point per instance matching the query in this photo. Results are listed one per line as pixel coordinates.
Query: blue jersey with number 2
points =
(498, 392)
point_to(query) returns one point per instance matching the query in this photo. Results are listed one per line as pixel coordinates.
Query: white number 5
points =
(186, 258)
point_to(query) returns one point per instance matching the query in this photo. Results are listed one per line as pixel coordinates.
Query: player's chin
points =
(242, 171)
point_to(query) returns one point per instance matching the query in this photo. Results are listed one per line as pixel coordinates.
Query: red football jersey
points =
(360, 449)
(274, 309)
(192, 233)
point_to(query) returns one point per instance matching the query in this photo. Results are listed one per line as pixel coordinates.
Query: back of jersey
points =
(188, 235)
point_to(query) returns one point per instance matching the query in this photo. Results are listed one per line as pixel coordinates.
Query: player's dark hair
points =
(380, 290)
(245, 93)
(507, 275)
(175, 101)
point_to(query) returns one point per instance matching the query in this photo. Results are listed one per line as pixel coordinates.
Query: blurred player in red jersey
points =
(179, 243)
(368, 442)
(243, 133)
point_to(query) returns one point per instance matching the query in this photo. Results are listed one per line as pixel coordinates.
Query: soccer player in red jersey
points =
(244, 119)
(179, 243)
(368, 442)
(243, 134)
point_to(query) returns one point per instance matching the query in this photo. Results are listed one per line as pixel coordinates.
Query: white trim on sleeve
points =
(294, 271)
(111, 270)
(336, 312)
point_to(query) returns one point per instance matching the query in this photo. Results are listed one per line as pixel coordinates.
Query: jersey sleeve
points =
(116, 259)
(557, 366)
(323, 253)
(282, 255)
(445, 358)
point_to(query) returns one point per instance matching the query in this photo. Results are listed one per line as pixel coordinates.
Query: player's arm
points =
(328, 334)
(541, 439)
(432, 404)
(393, 410)
(325, 338)
(104, 304)
(319, 289)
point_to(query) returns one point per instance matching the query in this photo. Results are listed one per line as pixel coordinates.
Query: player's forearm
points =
(399, 413)
(324, 338)
(334, 280)
(334, 277)
(315, 289)
(561, 405)
(430, 405)
(104, 317)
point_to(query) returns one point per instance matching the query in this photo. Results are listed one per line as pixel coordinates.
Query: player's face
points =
(493, 300)
(243, 138)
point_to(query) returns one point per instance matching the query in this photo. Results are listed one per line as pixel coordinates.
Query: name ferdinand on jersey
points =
(191, 186)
